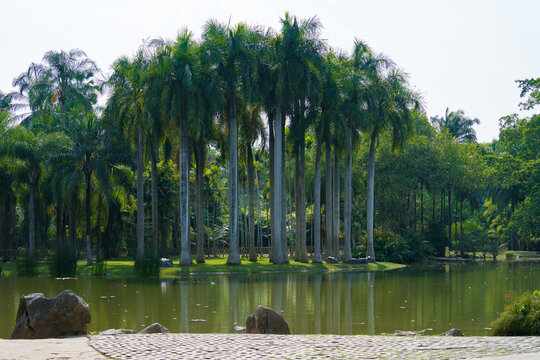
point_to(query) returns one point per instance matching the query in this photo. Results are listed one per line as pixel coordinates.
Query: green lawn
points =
(122, 269)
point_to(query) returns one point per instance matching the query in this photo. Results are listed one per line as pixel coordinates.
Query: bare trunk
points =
(185, 250)
(347, 253)
(251, 195)
(155, 199)
(421, 208)
(277, 188)
(140, 196)
(450, 217)
(272, 185)
(317, 258)
(284, 247)
(31, 222)
(328, 201)
(200, 158)
(301, 210)
(73, 219)
(371, 195)
(87, 220)
(335, 208)
(234, 257)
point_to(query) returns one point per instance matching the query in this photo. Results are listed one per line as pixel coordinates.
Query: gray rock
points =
(355, 261)
(454, 332)
(164, 262)
(117, 332)
(266, 321)
(40, 318)
(155, 328)
(332, 260)
(404, 333)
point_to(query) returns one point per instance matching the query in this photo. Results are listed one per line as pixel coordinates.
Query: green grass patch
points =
(513, 254)
(124, 269)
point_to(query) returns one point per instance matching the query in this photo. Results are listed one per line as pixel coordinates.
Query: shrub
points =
(26, 265)
(520, 318)
(64, 262)
(405, 249)
(147, 266)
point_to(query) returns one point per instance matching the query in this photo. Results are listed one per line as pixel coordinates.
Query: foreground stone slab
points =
(259, 346)
(39, 317)
(76, 348)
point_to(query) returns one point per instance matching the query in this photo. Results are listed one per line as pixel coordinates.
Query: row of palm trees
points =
(189, 92)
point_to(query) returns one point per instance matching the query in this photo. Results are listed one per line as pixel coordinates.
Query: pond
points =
(435, 297)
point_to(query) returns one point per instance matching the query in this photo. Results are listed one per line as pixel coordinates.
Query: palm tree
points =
(459, 126)
(388, 101)
(232, 52)
(64, 80)
(127, 105)
(29, 149)
(181, 72)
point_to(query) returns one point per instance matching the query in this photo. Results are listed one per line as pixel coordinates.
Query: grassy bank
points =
(122, 269)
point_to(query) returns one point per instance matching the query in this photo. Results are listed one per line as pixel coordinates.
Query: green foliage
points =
(27, 265)
(437, 237)
(64, 261)
(403, 249)
(521, 317)
(99, 268)
(147, 266)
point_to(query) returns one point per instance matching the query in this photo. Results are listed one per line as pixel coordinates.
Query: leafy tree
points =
(459, 126)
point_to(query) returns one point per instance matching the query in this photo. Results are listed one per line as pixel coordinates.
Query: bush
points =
(26, 265)
(520, 318)
(404, 249)
(64, 262)
(148, 266)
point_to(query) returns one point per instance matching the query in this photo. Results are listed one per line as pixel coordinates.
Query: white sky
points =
(459, 54)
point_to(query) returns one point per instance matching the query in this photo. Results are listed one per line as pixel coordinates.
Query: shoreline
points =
(231, 346)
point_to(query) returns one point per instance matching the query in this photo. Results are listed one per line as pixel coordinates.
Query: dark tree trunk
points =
(200, 158)
(155, 201)
(251, 201)
(87, 219)
(328, 211)
(272, 185)
(317, 258)
(73, 219)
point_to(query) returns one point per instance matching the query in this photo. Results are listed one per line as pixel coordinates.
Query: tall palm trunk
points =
(301, 205)
(272, 185)
(371, 195)
(278, 190)
(251, 200)
(32, 221)
(73, 218)
(317, 258)
(234, 257)
(185, 251)
(348, 198)
(155, 198)
(450, 217)
(140, 196)
(335, 207)
(201, 159)
(284, 247)
(88, 194)
(329, 217)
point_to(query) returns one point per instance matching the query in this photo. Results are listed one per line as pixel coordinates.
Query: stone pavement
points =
(251, 346)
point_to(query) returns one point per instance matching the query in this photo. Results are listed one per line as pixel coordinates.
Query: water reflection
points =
(468, 297)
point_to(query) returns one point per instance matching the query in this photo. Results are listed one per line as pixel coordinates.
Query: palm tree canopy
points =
(457, 124)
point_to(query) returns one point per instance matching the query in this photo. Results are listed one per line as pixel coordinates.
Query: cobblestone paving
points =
(244, 346)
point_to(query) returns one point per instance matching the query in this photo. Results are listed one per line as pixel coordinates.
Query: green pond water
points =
(435, 297)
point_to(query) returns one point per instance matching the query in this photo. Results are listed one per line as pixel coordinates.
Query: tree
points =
(232, 52)
(457, 124)
(389, 101)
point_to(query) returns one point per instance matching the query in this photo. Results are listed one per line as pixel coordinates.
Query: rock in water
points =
(117, 332)
(155, 328)
(40, 318)
(332, 260)
(454, 332)
(266, 321)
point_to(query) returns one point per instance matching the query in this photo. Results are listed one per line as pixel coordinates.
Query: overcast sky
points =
(459, 54)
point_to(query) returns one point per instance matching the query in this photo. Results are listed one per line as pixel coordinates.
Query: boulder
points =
(266, 321)
(155, 328)
(164, 262)
(40, 318)
(355, 261)
(117, 332)
(454, 332)
(332, 260)
(404, 333)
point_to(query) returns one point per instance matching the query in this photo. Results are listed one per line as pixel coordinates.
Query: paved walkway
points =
(244, 346)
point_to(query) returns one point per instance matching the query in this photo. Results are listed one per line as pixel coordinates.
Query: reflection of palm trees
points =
(184, 306)
(347, 283)
(371, 302)
(234, 285)
(317, 280)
